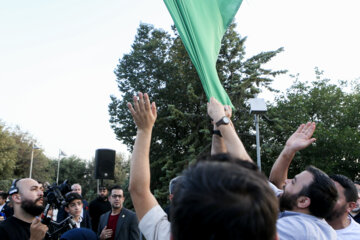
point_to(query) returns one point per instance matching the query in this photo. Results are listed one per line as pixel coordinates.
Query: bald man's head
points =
(29, 196)
(76, 188)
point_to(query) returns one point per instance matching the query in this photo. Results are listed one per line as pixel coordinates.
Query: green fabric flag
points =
(201, 25)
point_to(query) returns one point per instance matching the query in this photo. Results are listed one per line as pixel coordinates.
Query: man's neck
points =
(115, 211)
(301, 210)
(341, 222)
(19, 213)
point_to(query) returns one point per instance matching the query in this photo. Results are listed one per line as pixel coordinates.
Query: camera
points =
(54, 198)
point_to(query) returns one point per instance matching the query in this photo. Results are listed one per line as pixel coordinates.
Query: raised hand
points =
(143, 113)
(215, 109)
(302, 137)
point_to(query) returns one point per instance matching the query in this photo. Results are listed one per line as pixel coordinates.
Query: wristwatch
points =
(216, 132)
(224, 120)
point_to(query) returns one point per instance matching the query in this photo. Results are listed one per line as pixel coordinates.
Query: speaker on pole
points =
(104, 163)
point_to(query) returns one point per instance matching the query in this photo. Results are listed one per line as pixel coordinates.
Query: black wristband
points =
(217, 132)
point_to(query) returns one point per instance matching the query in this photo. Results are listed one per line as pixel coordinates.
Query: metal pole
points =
(57, 176)
(32, 159)
(257, 141)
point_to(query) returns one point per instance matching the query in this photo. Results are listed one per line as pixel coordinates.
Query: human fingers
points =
(153, 109)
(147, 101)
(136, 103)
(131, 109)
(300, 128)
(310, 129)
(141, 101)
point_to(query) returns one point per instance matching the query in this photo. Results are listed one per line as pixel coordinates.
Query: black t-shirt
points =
(14, 229)
(98, 207)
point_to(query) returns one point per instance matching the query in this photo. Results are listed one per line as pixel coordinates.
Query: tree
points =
(336, 113)
(8, 153)
(159, 65)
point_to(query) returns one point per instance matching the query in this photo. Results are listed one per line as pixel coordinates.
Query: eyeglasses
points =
(116, 196)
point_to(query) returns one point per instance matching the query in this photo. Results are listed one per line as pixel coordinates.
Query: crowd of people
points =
(221, 196)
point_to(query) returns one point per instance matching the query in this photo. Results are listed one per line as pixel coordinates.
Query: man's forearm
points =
(279, 171)
(139, 185)
(233, 143)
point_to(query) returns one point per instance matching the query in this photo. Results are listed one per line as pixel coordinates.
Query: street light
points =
(32, 157)
(257, 107)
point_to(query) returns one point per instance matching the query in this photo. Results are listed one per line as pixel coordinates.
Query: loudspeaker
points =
(104, 163)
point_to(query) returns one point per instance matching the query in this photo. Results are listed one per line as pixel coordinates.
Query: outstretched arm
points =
(299, 140)
(144, 115)
(232, 142)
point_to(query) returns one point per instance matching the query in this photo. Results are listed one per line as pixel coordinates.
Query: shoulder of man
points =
(128, 212)
(303, 226)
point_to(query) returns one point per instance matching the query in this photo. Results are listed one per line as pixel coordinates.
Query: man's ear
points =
(16, 197)
(351, 206)
(67, 209)
(303, 202)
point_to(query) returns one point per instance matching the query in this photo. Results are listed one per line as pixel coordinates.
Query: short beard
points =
(287, 201)
(336, 213)
(31, 208)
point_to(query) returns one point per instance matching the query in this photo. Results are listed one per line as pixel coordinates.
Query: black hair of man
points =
(3, 195)
(223, 200)
(117, 187)
(322, 192)
(350, 191)
(71, 196)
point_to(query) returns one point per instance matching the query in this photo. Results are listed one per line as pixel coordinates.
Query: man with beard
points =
(119, 223)
(99, 206)
(27, 198)
(355, 213)
(340, 219)
(307, 198)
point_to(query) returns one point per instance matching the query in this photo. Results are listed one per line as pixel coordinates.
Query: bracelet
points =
(217, 132)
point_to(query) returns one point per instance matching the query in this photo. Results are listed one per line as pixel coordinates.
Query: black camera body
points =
(54, 197)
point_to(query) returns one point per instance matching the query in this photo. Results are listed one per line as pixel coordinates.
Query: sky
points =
(57, 58)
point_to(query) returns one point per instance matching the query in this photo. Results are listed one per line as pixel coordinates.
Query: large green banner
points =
(201, 25)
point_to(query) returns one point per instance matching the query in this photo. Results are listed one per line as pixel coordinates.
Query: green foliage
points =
(77, 170)
(159, 65)
(336, 113)
(8, 151)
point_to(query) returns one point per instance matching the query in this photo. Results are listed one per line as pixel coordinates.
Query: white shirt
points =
(78, 222)
(350, 232)
(155, 225)
(2, 206)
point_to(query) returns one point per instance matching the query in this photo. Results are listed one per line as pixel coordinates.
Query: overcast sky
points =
(57, 57)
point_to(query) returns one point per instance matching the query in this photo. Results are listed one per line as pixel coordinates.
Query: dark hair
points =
(117, 187)
(71, 196)
(350, 191)
(322, 192)
(223, 200)
(3, 195)
(224, 157)
(173, 183)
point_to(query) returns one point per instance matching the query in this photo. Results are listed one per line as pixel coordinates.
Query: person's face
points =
(30, 196)
(341, 206)
(74, 208)
(103, 192)
(2, 201)
(292, 188)
(76, 188)
(116, 198)
(357, 208)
